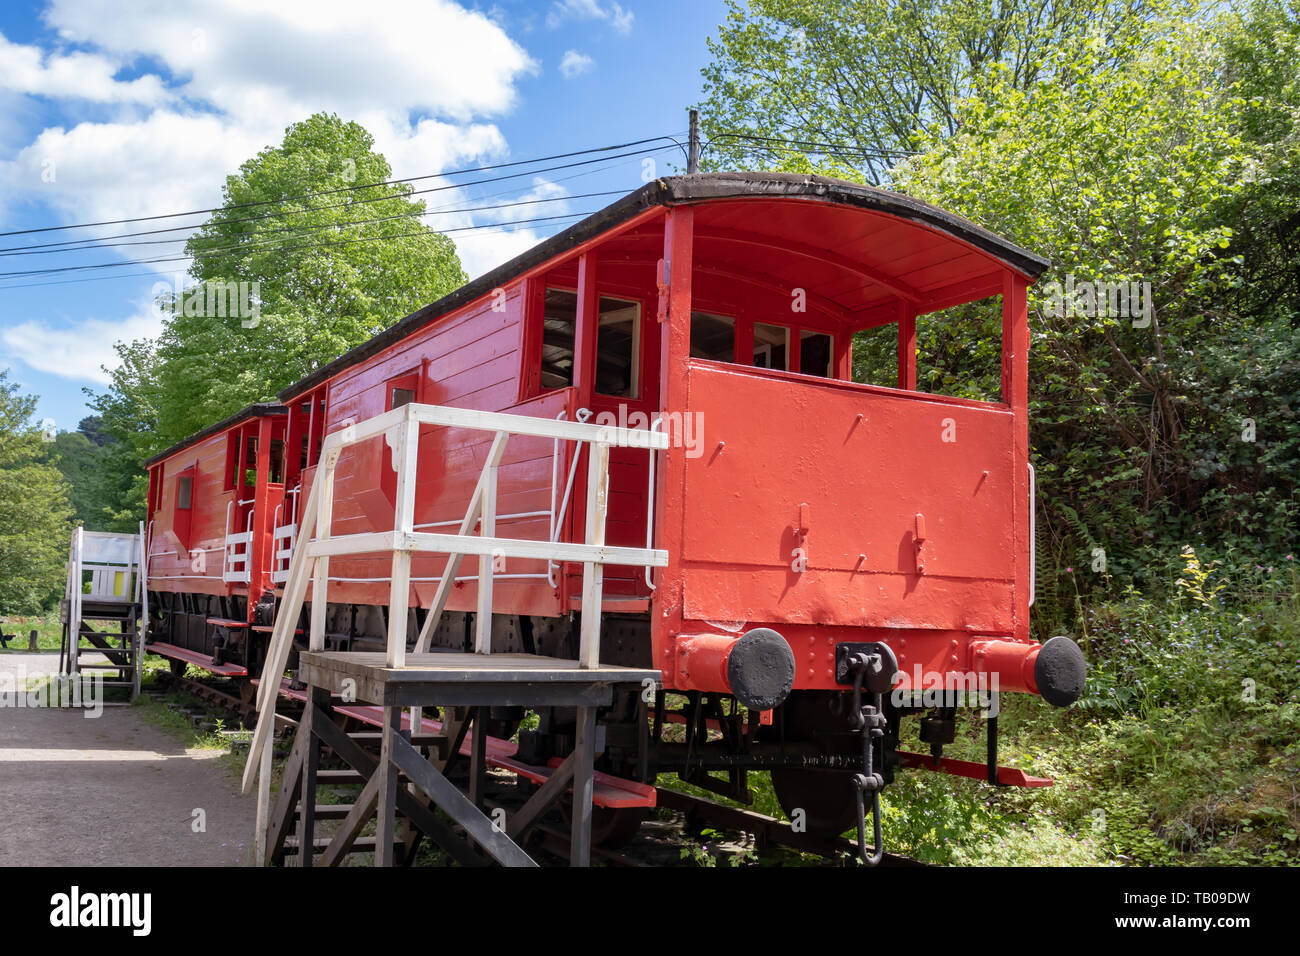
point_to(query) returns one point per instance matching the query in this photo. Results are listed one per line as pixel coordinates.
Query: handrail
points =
(650, 508)
(1033, 535)
(225, 541)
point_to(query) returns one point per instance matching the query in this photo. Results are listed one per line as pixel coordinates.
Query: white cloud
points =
(79, 350)
(75, 75)
(614, 14)
(211, 83)
(240, 73)
(247, 56)
(575, 64)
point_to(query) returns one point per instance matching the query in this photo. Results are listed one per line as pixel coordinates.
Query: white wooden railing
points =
(237, 553)
(316, 545)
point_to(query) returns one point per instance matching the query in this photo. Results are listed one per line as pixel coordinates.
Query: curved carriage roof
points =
(678, 190)
(256, 410)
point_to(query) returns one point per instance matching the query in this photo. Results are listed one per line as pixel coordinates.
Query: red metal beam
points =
(1007, 776)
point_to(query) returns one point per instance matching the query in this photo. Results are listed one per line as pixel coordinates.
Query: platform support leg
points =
(264, 795)
(583, 785)
(386, 824)
(478, 758)
(310, 764)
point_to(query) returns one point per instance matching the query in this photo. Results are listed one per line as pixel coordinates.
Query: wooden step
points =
(346, 778)
(328, 811)
(362, 844)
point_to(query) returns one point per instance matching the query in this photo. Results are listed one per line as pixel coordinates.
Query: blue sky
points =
(111, 109)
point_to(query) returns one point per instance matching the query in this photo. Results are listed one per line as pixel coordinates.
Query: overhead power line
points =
(303, 230)
(74, 244)
(229, 251)
(359, 186)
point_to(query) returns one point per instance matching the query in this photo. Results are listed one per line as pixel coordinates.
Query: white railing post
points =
(487, 529)
(74, 628)
(593, 572)
(321, 570)
(142, 582)
(405, 455)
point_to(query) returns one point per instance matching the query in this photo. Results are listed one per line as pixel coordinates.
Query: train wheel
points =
(824, 796)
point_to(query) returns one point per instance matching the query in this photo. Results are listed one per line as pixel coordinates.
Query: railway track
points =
(661, 842)
(237, 708)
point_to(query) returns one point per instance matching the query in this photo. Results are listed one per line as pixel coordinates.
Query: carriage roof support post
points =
(258, 549)
(586, 330)
(674, 312)
(906, 345)
(1015, 394)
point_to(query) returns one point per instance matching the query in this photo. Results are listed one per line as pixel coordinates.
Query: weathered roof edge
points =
(676, 190)
(256, 410)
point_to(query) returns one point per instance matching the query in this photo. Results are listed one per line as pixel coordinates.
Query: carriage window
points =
(401, 396)
(250, 461)
(184, 492)
(875, 355)
(232, 460)
(713, 337)
(559, 330)
(277, 461)
(617, 347)
(771, 346)
(816, 352)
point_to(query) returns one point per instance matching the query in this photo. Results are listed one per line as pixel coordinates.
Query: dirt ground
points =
(111, 790)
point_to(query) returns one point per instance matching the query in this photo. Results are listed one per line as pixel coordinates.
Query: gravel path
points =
(110, 790)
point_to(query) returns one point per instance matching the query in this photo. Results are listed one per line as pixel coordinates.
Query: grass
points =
(47, 627)
(1185, 750)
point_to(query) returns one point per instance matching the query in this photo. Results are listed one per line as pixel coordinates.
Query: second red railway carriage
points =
(808, 518)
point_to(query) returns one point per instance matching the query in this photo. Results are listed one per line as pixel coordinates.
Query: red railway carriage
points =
(214, 500)
(819, 530)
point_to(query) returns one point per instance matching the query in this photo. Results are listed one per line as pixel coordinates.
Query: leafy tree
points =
(92, 426)
(100, 481)
(1141, 173)
(327, 279)
(35, 517)
(1162, 150)
(865, 76)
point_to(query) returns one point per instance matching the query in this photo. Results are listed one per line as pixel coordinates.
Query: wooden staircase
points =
(105, 608)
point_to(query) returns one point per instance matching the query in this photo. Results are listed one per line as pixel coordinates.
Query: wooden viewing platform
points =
(459, 679)
(465, 685)
(470, 683)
